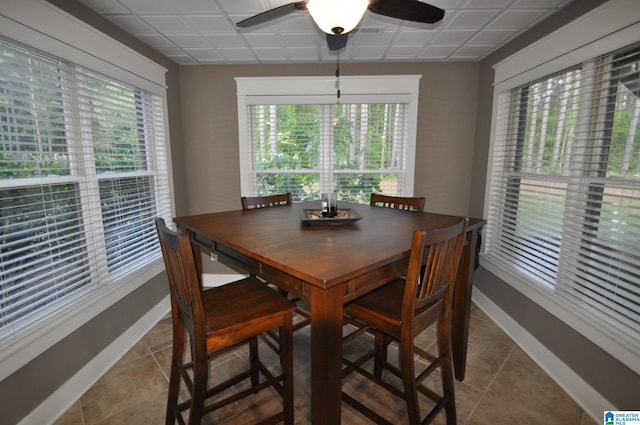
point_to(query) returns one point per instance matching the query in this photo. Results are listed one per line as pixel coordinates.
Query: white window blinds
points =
(82, 175)
(351, 149)
(564, 206)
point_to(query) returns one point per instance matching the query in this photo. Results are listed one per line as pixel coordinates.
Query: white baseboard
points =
(63, 398)
(593, 403)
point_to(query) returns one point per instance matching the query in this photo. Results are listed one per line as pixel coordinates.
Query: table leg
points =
(462, 305)
(326, 355)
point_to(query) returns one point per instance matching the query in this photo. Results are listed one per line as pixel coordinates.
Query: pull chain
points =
(338, 78)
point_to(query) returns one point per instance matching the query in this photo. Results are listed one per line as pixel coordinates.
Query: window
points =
(82, 175)
(564, 206)
(308, 143)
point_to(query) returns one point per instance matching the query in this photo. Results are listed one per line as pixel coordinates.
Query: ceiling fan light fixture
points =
(337, 16)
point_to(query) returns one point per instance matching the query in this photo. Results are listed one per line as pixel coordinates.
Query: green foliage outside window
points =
(366, 150)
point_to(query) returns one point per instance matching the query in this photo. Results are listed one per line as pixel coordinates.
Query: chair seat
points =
(244, 307)
(384, 304)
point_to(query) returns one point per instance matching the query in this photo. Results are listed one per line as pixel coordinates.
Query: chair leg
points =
(407, 368)
(200, 377)
(446, 368)
(177, 353)
(286, 356)
(253, 361)
(382, 342)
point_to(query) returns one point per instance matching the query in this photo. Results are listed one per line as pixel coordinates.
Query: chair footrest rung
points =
(364, 410)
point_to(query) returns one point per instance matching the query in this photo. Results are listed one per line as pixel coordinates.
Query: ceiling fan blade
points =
(337, 42)
(409, 10)
(272, 14)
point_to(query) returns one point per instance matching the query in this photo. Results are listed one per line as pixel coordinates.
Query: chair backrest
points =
(251, 202)
(433, 265)
(407, 203)
(187, 307)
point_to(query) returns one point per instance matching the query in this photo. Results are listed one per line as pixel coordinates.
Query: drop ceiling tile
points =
(367, 39)
(470, 51)
(105, 6)
(518, 18)
(132, 24)
(157, 6)
(259, 40)
(374, 20)
(302, 40)
(297, 24)
(188, 41)
(242, 6)
(493, 36)
(453, 37)
(170, 51)
(209, 24)
(404, 52)
(204, 54)
(540, 4)
(447, 4)
(155, 40)
(438, 52)
(472, 19)
(303, 53)
(415, 37)
(369, 53)
(271, 54)
(237, 55)
(168, 24)
(196, 6)
(487, 4)
(226, 40)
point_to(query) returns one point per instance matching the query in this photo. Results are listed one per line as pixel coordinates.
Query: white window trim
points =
(613, 25)
(353, 89)
(43, 26)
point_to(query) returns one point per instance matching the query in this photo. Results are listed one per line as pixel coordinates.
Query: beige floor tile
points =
(485, 334)
(525, 387)
(147, 412)
(491, 412)
(160, 336)
(124, 386)
(482, 366)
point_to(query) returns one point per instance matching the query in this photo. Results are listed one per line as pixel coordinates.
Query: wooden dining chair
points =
(254, 202)
(214, 321)
(277, 200)
(403, 309)
(406, 203)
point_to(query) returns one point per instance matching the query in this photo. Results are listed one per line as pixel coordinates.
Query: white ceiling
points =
(194, 32)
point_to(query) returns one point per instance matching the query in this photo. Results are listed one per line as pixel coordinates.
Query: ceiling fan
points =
(338, 17)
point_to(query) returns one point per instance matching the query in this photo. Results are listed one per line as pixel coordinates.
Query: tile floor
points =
(502, 385)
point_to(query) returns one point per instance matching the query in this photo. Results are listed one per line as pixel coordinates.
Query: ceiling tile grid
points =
(192, 32)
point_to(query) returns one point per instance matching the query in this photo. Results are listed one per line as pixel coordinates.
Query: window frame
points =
(323, 90)
(610, 27)
(44, 27)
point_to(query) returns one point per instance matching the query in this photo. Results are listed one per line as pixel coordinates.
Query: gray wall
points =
(613, 380)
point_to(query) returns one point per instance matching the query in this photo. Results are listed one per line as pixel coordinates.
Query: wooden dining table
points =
(329, 263)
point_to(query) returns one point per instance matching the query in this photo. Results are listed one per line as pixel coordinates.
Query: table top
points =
(322, 256)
